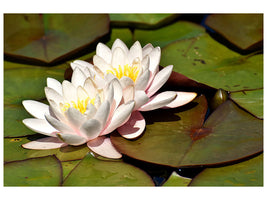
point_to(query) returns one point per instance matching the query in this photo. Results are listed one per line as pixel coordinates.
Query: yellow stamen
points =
(80, 105)
(129, 71)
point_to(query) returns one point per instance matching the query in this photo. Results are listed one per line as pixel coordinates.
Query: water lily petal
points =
(154, 58)
(91, 129)
(104, 52)
(158, 101)
(103, 113)
(78, 77)
(117, 91)
(145, 63)
(142, 81)
(140, 99)
(147, 49)
(128, 93)
(60, 126)
(135, 52)
(103, 147)
(90, 111)
(134, 127)
(71, 139)
(101, 64)
(83, 63)
(109, 77)
(181, 99)
(75, 118)
(125, 81)
(45, 143)
(119, 44)
(53, 95)
(69, 91)
(90, 86)
(54, 84)
(56, 112)
(36, 108)
(159, 80)
(118, 58)
(109, 91)
(40, 126)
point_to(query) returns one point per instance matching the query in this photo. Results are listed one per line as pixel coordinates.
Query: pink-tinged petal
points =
(181, 99)
(158, 101)
(90, 86)
(53, 95)
(45, 143)
(117, 91)
(104, 52)
(60, 126)
(90, 111)
(142, 81)
(120, 116)
(54, 84)
(119, 44)
(74, 140)
(69, 91)
(154, 58)
(135, 52)
(109, 93)
(101, 64)
(40, 126)
(140, 99)
(75, 118)
(103, 147)
(78, 77)
(128, 93)
(35, 108)
(145, 63)
(134, 127)
(125, 81)
(159, 80)
(147, 49)
(103, 113)
(91, 129)
(118, 58)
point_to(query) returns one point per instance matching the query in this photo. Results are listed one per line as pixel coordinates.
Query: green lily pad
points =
(178, 137)
(123, 34)
(49, 38)
(177, 180)
(28, 82)
(44, 171)
(14, 151)
(250, 100)
(67, 166)
(243, 30)
(209, 62)
(141, 20)
(247, 173)
(93, 172)
(168, 34)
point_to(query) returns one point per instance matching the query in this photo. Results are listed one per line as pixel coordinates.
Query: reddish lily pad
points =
(178, 137)
(94, 172)
(243, 30)
(247, 173)
(45, 171)
(49, 38)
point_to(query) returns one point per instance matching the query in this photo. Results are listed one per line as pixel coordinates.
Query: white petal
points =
(141, 83)
(135, 52)
(90, 87)
(103, 113)
(60, 126)
(54, 84)
(78, 77)
(91, 129)
(128, 93)
(103, 147)
(126, 82)
(71, 139)
(53, 95)
(109, 93)
(181, 99)
(119, 44)
(118, 58)
(109, 77)
(83, 63)
(154, 58)
(140, 99)
(40, 126)
(55, 109)
(147, 49)
(104, 52)
(35, 108)
(75, 118)
(117, 91)
(82, 94)
(159, 80)
(145, 63)
(159, 101)
(134, 127)
(90, 111)
(101, 64)
(69, 91)
(45, 143)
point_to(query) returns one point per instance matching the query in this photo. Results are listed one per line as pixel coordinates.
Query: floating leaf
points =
(67, 166)
(209, 62)
(51, 37)
(45, 171)
(247, 173)
(177, 180)
(14, 150)
(93, 172)
(250, 100)
(165, 35)
(176, 137)
(243, 30)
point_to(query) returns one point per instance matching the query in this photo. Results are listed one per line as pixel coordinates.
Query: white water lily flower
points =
(78, 113)
(137, 70)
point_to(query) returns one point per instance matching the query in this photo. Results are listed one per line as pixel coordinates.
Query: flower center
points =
(80, 105)
(129, 71)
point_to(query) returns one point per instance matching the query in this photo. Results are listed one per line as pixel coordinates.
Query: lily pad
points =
(247, 173)
(14, 151)
(44, 171)
(67, 166)
(243, 30)
(28, 82)
(250, 100)
(49, 38)
(168, 34)
(178, 137)
(93, 172)
(177, 180)
(123, 34)
(209, 62)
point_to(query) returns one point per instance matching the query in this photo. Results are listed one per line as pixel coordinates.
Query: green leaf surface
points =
(178, 137)
(209, 62)
(177, 180)
(14, 151)
(67, 166)
(51, 37)
(123, 34)
(45, 171)
(168, 34)
(23, 82)
(93, 172)
(250, 100)
(247, 173)
(243, 30)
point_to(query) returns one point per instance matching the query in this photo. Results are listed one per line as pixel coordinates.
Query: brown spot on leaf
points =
(200, 60)
(197, 134)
